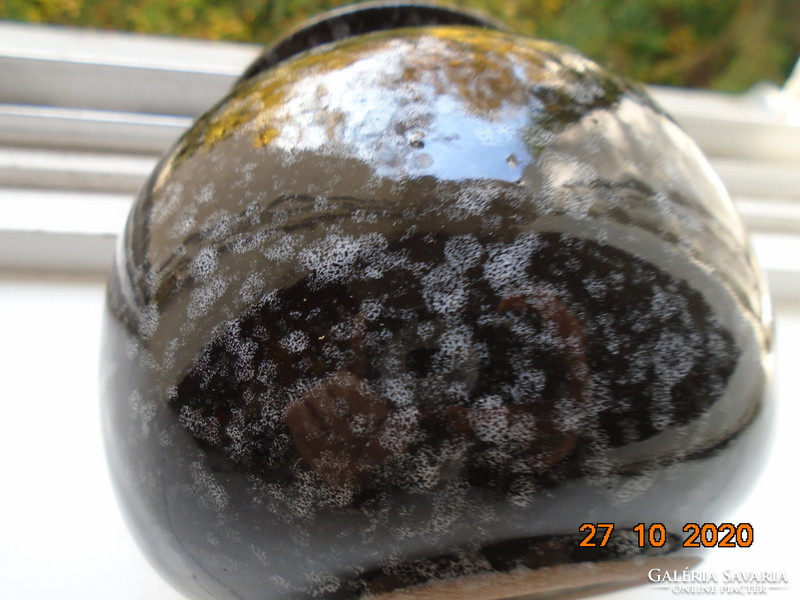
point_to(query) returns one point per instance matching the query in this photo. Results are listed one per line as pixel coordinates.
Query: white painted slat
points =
(778, 256)
(764, 215)
(69, 44)
(759, 178)
(47, 230)
(742, 126)
(55, 66)
(745, 140)
(110, 87)
(22, 167)
(80, 129)
(55, 252)
(57, 211)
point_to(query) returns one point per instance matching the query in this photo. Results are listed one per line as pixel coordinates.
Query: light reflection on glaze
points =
(471, 88)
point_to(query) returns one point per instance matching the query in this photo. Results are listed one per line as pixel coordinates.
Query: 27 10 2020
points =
(705, 535)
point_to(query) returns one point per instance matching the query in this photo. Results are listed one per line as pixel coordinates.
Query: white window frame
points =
(84, 116)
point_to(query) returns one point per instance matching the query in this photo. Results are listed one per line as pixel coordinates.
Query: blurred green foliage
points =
(719, 44)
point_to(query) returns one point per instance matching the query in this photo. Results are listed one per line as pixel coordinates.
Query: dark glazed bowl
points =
(413, 303)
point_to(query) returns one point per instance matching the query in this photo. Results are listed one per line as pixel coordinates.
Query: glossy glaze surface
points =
(415, 306)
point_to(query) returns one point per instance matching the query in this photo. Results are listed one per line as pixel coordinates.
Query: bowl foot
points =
(558, 582)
